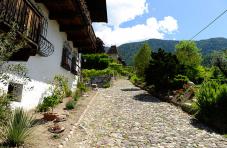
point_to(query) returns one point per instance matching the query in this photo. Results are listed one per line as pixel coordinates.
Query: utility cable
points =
(209, 24)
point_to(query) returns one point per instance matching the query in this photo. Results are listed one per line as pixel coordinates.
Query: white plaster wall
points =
(41, 70)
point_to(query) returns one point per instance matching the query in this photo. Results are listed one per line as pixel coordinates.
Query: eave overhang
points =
(75, 19)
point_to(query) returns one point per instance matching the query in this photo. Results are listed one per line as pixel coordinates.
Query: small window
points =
(15, 91)
(69, 59)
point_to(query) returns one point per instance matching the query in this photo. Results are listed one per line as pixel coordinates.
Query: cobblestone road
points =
(125, 116)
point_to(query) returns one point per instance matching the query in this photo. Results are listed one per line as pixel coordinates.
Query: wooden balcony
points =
(74, 18)
(29, 20)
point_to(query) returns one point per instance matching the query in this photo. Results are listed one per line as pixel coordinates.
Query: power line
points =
(210, 24)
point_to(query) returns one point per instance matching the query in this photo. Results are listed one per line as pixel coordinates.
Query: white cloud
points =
(120, 11)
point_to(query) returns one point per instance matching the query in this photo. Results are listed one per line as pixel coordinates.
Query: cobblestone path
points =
(125, 116)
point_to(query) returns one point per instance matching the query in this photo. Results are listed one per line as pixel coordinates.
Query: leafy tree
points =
(188, 53)
(142, 59)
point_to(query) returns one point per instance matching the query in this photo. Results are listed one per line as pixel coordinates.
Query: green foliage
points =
(135, 79)
(61, 87)
(91, 73)
(179, 81)
(95, 61)
(48, 102)
(82, 87)
(5, 110)
(118, 69)
(197, 74)
(188, 53)
(70, 104)
(128, 51)
(212, 102)
(76, 95)
(142, 59)
(106, 84)
(162, 69)
(10, 43)
(18, 129)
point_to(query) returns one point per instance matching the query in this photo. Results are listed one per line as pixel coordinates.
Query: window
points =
(69, 59)
(66, 58)
(15, 91)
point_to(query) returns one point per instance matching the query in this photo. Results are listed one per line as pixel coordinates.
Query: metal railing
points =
(30, 20)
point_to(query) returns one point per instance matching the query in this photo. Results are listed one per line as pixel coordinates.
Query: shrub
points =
(179, 81)
(135, 80)
(212, 102)
(95, 61)
(18, 129)
(106, 84)
(5, 110)
(91, 73)
(70, 104)
(48, 102)
(61, 87)
(82, 87)
(76, 95)
(161, 70)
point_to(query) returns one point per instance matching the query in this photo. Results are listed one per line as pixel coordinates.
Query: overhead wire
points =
(220, 15)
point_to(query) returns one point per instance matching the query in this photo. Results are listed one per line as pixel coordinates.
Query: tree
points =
(100, 46)
(162, 69)
(142, 59)
(188, 53)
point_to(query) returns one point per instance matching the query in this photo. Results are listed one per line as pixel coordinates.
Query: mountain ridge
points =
(128, 50)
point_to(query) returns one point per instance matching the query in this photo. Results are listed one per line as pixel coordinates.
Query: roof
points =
(75, 17)
(98, 10)
(112, 50)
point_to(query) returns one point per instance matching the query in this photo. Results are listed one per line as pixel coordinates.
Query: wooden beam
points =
(71, 28)
(63, 15)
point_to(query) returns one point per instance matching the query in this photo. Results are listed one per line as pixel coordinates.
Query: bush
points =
(161, 70)
(18, 129)
(76, 95)
(61, 87)
(95, 61)
(179, 81)
(48, 102)
(91, 73)
(82, 87)
(5, 110)
(135, 80)
(212, 103)
(106, 84)
(70, 104)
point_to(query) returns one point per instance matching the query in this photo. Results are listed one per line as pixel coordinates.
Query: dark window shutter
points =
(73, 66)
(64, 62)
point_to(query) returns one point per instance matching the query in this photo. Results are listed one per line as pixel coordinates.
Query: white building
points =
(59, 30)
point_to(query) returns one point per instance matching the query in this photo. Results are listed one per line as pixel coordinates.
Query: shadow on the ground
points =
(39, 122)
(144, 97)
(131, 89)
(197, 124)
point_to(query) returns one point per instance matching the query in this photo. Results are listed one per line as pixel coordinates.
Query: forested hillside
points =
(127, 51)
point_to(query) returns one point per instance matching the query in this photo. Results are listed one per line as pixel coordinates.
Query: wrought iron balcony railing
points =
(29, 19)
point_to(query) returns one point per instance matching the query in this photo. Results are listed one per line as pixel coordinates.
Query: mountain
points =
(127, 51)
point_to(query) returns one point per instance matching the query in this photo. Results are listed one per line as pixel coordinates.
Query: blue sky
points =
(137, 20)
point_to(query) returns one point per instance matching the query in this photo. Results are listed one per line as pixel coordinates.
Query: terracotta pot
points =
(50, 116)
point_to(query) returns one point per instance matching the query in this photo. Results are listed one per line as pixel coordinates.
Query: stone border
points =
(70, 135)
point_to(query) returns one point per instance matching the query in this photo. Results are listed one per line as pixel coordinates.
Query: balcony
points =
(74, 18)
(29, 19)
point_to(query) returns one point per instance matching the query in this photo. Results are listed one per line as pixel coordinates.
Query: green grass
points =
(225, 135)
